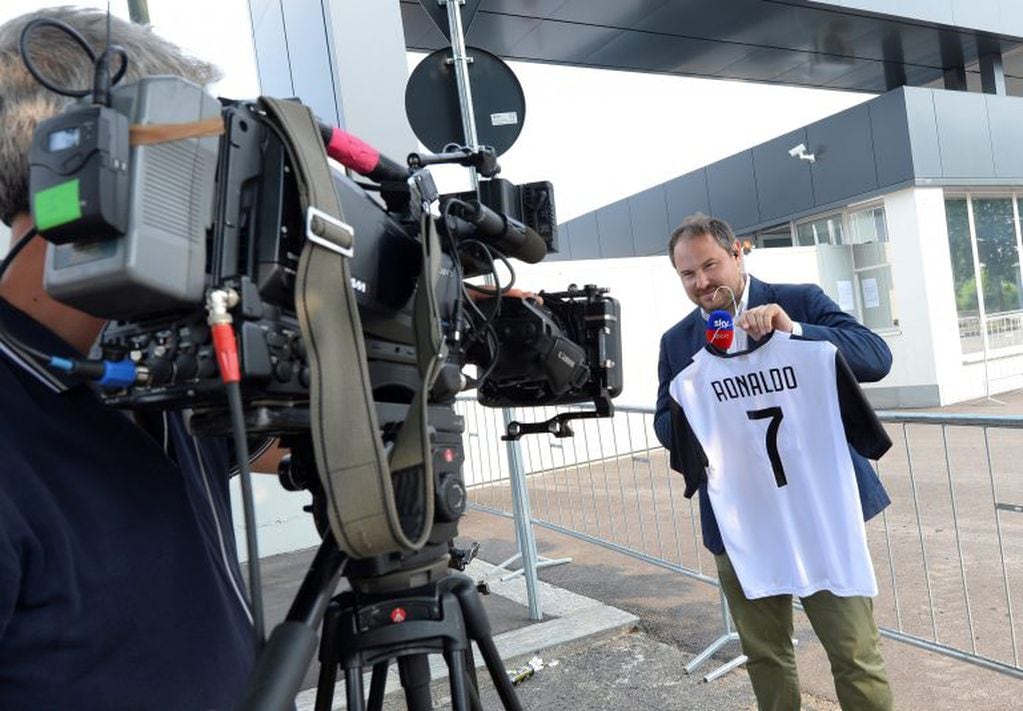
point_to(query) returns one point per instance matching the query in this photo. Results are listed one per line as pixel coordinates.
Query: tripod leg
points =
(328, 660)
(414, 672)
(474, 698)
(325, 686)
(377, 685)
(456, 675)
(353, 689)
(474, 682)
(479, 629)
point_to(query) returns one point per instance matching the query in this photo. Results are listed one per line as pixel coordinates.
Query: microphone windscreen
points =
(532, 249)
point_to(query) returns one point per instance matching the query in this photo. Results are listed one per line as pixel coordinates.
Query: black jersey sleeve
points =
(863, 430)
(687, 455)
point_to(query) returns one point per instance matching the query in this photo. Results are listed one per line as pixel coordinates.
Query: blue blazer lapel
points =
(759, 292)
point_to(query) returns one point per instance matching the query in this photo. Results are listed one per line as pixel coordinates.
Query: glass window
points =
(957, 219)
(823, 230)
(867, 226)
(804, 235)
(1001, 293)
(775, 237)
(999, 260)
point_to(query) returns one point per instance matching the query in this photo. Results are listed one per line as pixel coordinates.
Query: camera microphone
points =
(506, 234)
(720, 330)
(352, 152)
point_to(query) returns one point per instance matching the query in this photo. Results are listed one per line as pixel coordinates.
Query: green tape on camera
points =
(57, 206)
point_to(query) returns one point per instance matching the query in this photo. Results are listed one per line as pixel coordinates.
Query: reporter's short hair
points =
(24, 102)
(699, 224)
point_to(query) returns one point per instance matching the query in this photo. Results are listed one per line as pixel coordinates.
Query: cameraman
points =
(119, 581)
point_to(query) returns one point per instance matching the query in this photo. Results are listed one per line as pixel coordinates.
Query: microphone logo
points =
(720, 330)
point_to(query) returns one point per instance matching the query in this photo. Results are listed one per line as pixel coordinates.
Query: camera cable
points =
(487, 326)
(102, 81)
(218, 301)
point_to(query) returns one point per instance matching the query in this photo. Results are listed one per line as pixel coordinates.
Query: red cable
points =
(227, 352)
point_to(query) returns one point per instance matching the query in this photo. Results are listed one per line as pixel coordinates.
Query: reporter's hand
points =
(761, 320)
(511, 293)
(524, 295)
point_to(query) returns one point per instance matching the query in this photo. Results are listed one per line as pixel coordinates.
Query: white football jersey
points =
(770, 430)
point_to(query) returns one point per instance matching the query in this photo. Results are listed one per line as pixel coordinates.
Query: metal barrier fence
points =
(948, 552)
(1004, 330)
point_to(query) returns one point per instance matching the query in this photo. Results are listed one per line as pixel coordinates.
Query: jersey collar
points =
(754, 345)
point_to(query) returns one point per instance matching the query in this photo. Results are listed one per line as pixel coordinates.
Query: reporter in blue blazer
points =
(709, 262)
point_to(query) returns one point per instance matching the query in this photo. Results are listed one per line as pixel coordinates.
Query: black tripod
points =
(369, 629)
(361, 631)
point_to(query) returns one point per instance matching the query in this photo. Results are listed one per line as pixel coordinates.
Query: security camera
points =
(800, 153)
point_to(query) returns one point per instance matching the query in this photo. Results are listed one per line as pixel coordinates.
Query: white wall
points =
(926, 349)
(5, 239)
(792, 265)
(282, 525)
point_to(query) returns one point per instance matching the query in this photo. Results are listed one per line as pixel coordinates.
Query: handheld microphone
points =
(720, 329)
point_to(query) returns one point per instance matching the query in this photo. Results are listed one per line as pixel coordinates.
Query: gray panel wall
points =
(614, 230)
(844, 148)
(963, 135)
(1006, 135)
(648, 211)
(732, 188)
(923, 132)
(585, 242)
(908, 136)
(893, 153)
(685, 195)
(783, 186)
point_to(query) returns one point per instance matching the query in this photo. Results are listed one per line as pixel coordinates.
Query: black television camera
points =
(193, 225)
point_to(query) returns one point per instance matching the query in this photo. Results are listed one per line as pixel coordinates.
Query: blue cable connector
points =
(109, 374)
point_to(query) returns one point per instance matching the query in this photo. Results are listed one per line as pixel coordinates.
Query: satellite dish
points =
(431, 101)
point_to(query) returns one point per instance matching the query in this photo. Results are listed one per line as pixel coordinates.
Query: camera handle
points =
(558, 425)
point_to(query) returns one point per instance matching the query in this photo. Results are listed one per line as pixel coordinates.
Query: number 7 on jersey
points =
(771, 438)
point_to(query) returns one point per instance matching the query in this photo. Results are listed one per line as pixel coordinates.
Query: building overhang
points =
(841, 44)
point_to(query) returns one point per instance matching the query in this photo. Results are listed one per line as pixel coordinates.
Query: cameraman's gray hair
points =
(24, 102)
(700, 224)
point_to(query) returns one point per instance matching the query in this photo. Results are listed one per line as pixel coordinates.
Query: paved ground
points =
(642, 667)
